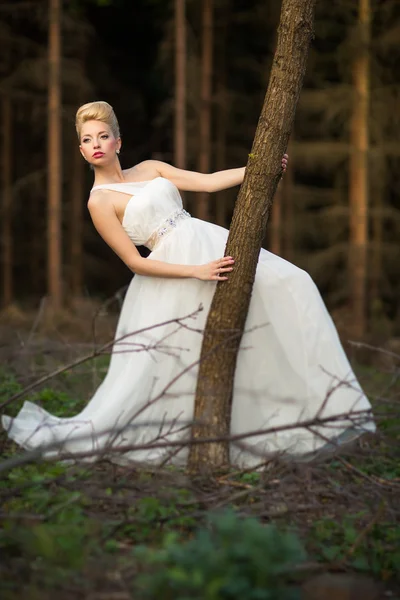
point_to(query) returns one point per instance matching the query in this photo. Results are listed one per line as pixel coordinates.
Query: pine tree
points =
(54, 177)
(358, 176)
(180, 84)
(7, 204)
(202, 208)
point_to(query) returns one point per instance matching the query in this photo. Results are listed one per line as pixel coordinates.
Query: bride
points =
(291, 365)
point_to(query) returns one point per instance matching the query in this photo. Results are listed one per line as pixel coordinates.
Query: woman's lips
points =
(98, 154)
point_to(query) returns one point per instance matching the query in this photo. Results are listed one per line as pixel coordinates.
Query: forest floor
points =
(74, 530)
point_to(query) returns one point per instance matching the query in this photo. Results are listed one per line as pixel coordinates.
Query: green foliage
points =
(8, 385)
(232, 559)
(58, 520)
(59, 532)
(57, 402)
(382, 466)
(63, 544)
(249, 478)
(150, 517)
(378, 552)
(53, 400)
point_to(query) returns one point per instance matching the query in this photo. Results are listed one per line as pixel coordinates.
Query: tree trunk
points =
(76, 225)
(180, 85)
(54, 281)
(37, 251)
(205, 106)
(6, 217)
(358, 184)
(228, 312)
(220, 155)
(379, 187)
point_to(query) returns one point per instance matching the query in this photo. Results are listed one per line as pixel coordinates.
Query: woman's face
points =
(98, 143)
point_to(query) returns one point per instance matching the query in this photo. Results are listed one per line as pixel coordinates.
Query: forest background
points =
(187, 80)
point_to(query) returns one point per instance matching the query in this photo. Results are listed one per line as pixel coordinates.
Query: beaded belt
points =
(166, 227)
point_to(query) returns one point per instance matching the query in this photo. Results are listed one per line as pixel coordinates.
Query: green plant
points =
(8, 384)
(52, 400)
(378, 552)
(52, 528)
(150, 518)
(55, 401)
(232, 559)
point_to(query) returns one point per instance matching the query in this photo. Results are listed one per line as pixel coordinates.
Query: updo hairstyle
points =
(97, 111)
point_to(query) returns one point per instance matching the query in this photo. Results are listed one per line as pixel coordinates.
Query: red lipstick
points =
(98, 154)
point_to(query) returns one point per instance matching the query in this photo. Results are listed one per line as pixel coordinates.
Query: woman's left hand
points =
(285, 162)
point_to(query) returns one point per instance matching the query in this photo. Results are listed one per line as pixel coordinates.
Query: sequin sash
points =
(166, 228)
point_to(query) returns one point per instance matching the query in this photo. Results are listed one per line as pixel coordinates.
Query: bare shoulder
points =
(100, 199)
(144, 171)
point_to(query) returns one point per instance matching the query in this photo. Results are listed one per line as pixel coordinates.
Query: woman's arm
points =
(193, 181)
(107, 224)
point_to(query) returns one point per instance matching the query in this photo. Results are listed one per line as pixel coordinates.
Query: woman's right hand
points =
(215, 270)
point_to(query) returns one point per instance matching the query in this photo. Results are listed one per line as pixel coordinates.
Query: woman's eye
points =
(104, 137)
(85, 140)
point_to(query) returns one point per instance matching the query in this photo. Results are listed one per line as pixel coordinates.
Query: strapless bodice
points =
(153, 211)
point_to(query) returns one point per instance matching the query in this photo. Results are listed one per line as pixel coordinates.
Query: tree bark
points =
(202, 202)
(180, 85)
(54, 178)
(6, 218)
(358, 184)
(76, 225)
(228, 312)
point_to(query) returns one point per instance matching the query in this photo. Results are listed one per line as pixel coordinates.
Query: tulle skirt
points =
(291, 368)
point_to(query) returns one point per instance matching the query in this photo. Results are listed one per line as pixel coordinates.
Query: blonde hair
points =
(97, 111)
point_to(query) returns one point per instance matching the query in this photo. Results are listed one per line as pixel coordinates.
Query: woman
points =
(291, 365)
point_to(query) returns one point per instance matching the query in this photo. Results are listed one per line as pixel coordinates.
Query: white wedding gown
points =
(290, 358)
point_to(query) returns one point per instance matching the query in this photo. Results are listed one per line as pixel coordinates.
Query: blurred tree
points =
(222, 104)
(207, 38)
(7, 204)
(325, 134)
(275, 237)
(279, 233)
(13, 46)
(383, 290)
(287, 199)
(378, 177)
(228, 311)
(27, 82)
(180, 84)
(54, 175)
(75, 266)
(315, 198)
(358, 172)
